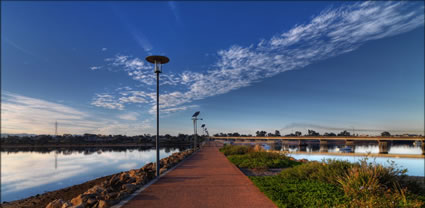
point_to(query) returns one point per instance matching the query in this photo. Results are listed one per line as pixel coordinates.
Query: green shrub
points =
(373, 185)
(234, 150)
(262, 160)
(286, 192)
(326, 171)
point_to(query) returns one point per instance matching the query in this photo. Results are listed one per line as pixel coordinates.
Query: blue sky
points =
(246, 66)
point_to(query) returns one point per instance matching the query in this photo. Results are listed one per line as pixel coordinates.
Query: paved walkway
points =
(207, 179)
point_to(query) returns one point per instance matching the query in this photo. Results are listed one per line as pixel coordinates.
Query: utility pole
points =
(56, 128)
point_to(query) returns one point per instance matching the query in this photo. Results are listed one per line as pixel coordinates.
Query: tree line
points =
(262, 133)
(92, 139)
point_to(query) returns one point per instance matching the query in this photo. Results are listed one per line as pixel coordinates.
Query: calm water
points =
(415, 166)
(25, 173)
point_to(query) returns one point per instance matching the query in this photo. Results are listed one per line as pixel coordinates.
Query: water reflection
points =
(27, 173)
(340, 147)
(414, 166)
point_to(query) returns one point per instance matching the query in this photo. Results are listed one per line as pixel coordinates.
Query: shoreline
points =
(67, 193)
(131, 178)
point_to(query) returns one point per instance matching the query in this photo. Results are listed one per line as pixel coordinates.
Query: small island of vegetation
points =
(330, 183)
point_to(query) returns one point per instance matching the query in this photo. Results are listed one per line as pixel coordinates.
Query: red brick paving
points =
(207, 179)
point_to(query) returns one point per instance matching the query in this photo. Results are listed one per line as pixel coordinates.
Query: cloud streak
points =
(174, 9)
(331, 33)
(30, 115)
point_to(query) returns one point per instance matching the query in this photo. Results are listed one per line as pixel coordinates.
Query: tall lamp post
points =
(195, 128)
(203, 129)
(205, 132)
(158, 61)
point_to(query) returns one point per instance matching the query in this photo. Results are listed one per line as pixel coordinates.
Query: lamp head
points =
(196, 114)
(158, 61)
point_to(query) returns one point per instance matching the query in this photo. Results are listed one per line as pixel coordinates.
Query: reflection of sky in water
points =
(396, 149)
(25, 174)
(415, 166)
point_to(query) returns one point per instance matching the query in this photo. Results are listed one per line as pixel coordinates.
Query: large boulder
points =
(129, 187)
(114, 179)
(56, 203)
(133, 173)
(82, 199)
(102, 204)
(67, 205)
(162, 170)
(97, 189)
(91, 202)
(111, 196)
(143, 179)
(124, 177)
(79, 200)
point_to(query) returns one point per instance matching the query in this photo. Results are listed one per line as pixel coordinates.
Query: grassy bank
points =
(246, 157)
(330, 183)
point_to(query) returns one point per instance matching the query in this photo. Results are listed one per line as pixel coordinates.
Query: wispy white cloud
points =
(333, 32)
(95, 67)
(129, 128)
(22, 114)
(142, 40)
(104, 49)
(169, 110)
(135, 32)
(107, 101)
(21, 49)
(175, 10)
(131, 116)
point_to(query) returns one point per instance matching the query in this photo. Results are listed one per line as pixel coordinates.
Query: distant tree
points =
(277, 133)
(329, 134)
(344, 133)
(270, 134)
(236, 134)
(261, 133)
(313, 133)
(385, 134)
(298, 133)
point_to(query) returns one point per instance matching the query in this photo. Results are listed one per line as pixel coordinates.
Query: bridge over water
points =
(323, 140)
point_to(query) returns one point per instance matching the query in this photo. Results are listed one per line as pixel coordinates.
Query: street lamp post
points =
(205, 132)
(195, 128)
(203, 129)
(157, 61)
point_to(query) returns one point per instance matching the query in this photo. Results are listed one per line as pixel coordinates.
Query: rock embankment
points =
(119, 186)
